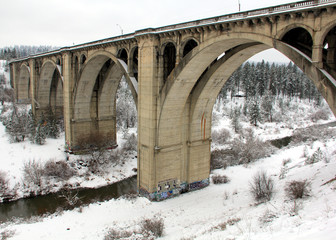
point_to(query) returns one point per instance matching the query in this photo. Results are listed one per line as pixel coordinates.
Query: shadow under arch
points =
(87, 79)
(23, 84)
(50, 88)
(94, 100)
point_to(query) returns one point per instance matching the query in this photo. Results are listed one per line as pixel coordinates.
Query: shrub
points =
(222, 226)
(317, 156)
(131, 143)
(249, 148)
(153, 226)
(117, 234)
(219, 179)
(267, 217)
(33, 172)
(262, 187)
(218, 159)
(149, 229)
(58, 169)
(321, 114)
(6, 234)
(297, 189)
(221, 136)
(96, 146)
(4, 184)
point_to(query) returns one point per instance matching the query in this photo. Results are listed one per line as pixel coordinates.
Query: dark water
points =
(28, 207)
(282, 142)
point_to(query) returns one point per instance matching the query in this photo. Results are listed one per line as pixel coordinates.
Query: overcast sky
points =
(67, 22)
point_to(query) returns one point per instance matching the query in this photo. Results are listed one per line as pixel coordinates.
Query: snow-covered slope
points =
(198, 215)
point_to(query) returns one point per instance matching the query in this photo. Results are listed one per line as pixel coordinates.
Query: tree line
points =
(8, 53)
(259, 79)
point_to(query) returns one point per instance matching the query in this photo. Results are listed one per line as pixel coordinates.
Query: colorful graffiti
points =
(182, 188)
(198, 185)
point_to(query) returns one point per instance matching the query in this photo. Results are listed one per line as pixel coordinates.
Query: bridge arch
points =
(50, 88)
(169, 53)
(329, 49)
(300, 38)
(123, 55)
(95, 94)
(180, 84)
(23, 85)
(134, 62)
(189, 93)
(187, 46)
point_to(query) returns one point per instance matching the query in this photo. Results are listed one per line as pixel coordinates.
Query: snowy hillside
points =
(225, 211)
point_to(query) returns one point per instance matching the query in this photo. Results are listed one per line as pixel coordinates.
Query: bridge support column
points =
(14, 75)
(33, 81)
(199, 164)
(317, 56)
(67, 99)
(147, 115)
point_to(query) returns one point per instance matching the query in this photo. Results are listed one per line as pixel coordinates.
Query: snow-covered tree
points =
(40, 135)
(267, 103)
(254, 111)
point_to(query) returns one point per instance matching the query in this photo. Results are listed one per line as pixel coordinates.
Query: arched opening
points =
(56, 94)
(23, 94)
(301, 39)
(102, 75)
(83, 59)
(169, 60)
(190, 45)
(329, 52)
(76, 65)
(123, 55)
(126, 112)
(268, 99)
(135, 63)
(95, 98)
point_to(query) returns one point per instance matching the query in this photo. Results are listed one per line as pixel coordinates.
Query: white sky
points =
(67, 22)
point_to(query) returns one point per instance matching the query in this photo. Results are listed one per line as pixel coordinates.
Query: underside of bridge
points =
(175, 76)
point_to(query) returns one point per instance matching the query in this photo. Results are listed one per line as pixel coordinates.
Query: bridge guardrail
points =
(262, 11)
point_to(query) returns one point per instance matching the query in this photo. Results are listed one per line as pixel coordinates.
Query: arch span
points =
(50, 85)
(87, 80)
(23, 85)
(95, 96)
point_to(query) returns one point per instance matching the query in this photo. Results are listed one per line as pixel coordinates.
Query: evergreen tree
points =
(40, 135)
(31, 126)
(254, 111)
(267, 105)
(51, 127)
(235, 118)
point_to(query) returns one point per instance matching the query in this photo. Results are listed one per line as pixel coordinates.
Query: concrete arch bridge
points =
(175, 74)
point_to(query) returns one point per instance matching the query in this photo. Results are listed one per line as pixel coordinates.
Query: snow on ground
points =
(196, 215)
(15, 155)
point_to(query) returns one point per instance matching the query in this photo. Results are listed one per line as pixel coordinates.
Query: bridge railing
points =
(252, 13)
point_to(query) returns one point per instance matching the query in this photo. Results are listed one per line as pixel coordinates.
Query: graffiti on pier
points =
(198, 185)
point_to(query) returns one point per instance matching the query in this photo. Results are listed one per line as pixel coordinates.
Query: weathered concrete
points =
(175, 75)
